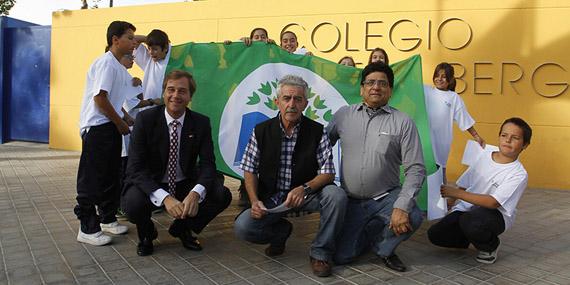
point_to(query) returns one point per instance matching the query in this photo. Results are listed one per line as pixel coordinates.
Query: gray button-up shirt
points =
(373, 148)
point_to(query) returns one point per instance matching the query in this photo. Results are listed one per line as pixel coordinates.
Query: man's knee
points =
(335, 195)
(416, 218)
(242, 225)
(135, 204)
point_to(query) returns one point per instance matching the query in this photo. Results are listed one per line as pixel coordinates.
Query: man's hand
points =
(123, 127)
(258, 210)
(137, 81)
(191, 204)
(400, 222)
(295, 198)
(173, 207)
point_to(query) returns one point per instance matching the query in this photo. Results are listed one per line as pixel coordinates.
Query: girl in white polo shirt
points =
(487, 193)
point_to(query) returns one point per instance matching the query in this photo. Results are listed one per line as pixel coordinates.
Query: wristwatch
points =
(307, 189)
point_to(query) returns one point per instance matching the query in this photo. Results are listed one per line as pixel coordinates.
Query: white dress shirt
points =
(157, 197)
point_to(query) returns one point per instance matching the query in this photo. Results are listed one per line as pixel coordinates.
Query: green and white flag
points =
(236, 86)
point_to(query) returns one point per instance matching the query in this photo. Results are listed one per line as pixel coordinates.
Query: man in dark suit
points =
(164, 169)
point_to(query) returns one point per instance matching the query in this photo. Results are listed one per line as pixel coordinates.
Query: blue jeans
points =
(366, 226)
(330, 202)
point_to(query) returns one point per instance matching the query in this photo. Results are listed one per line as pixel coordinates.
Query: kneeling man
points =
(376, 140)
(289, 160)
(171, 164)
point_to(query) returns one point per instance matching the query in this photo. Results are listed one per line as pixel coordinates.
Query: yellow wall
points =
(493, 43)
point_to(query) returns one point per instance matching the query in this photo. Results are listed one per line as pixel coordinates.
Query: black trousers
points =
(481, 227)
(138, 207)
(98, 177)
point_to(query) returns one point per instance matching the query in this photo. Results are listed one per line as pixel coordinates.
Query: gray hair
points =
(293, 80)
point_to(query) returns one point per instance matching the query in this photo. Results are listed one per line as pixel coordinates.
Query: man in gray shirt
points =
(376, 140)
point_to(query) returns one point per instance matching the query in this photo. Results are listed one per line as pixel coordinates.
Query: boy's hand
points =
(123, 128)
(449, 191)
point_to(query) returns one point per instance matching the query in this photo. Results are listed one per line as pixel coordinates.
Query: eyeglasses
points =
(370, 83)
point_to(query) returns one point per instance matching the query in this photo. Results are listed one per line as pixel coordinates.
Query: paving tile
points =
(264, 279)
(364, 279)
(424, 278)
(557, 279)
(519, 277)
(463, 279)
(302, 281)
(225, 277)
(479, 274)
(502, 281)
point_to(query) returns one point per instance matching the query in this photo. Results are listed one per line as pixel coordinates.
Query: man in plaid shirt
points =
(288, 160)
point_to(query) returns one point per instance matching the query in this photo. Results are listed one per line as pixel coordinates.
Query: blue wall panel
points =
(27, 59)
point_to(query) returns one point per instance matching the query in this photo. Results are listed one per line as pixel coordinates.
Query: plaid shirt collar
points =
(295, 128)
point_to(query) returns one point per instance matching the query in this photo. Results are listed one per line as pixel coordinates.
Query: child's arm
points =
(102, 102)
(140, 39)
(476, 136)
(482, 200)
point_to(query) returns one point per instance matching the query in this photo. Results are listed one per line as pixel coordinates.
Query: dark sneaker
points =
(487, 257)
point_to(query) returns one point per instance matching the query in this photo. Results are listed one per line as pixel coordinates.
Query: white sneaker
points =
(114, 228)
(487, 257)
(97, 238)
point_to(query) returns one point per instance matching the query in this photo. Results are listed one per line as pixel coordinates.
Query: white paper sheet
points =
(437, 206)
(473, 150)
(278, 209)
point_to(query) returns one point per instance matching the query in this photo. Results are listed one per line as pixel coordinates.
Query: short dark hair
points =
(449, 74)
(525, 127)
(286, 32)
(118, 29)
(258, 29)
(157, 38)
(378, 67)
(380, 50)
(177, 74)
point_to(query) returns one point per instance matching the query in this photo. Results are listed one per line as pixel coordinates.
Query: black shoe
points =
(393, 262)
(145, 246)
(278, 249)
(190, 242)
(186, 237)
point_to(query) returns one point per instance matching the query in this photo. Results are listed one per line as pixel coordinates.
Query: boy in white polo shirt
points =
(488, 194)
(153, 60)
(101, 129)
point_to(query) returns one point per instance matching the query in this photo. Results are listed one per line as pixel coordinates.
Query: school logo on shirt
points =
(252, 102)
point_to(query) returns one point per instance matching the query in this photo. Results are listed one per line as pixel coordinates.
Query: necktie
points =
(173, 156)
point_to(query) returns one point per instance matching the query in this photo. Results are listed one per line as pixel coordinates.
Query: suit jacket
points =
(149, 146)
